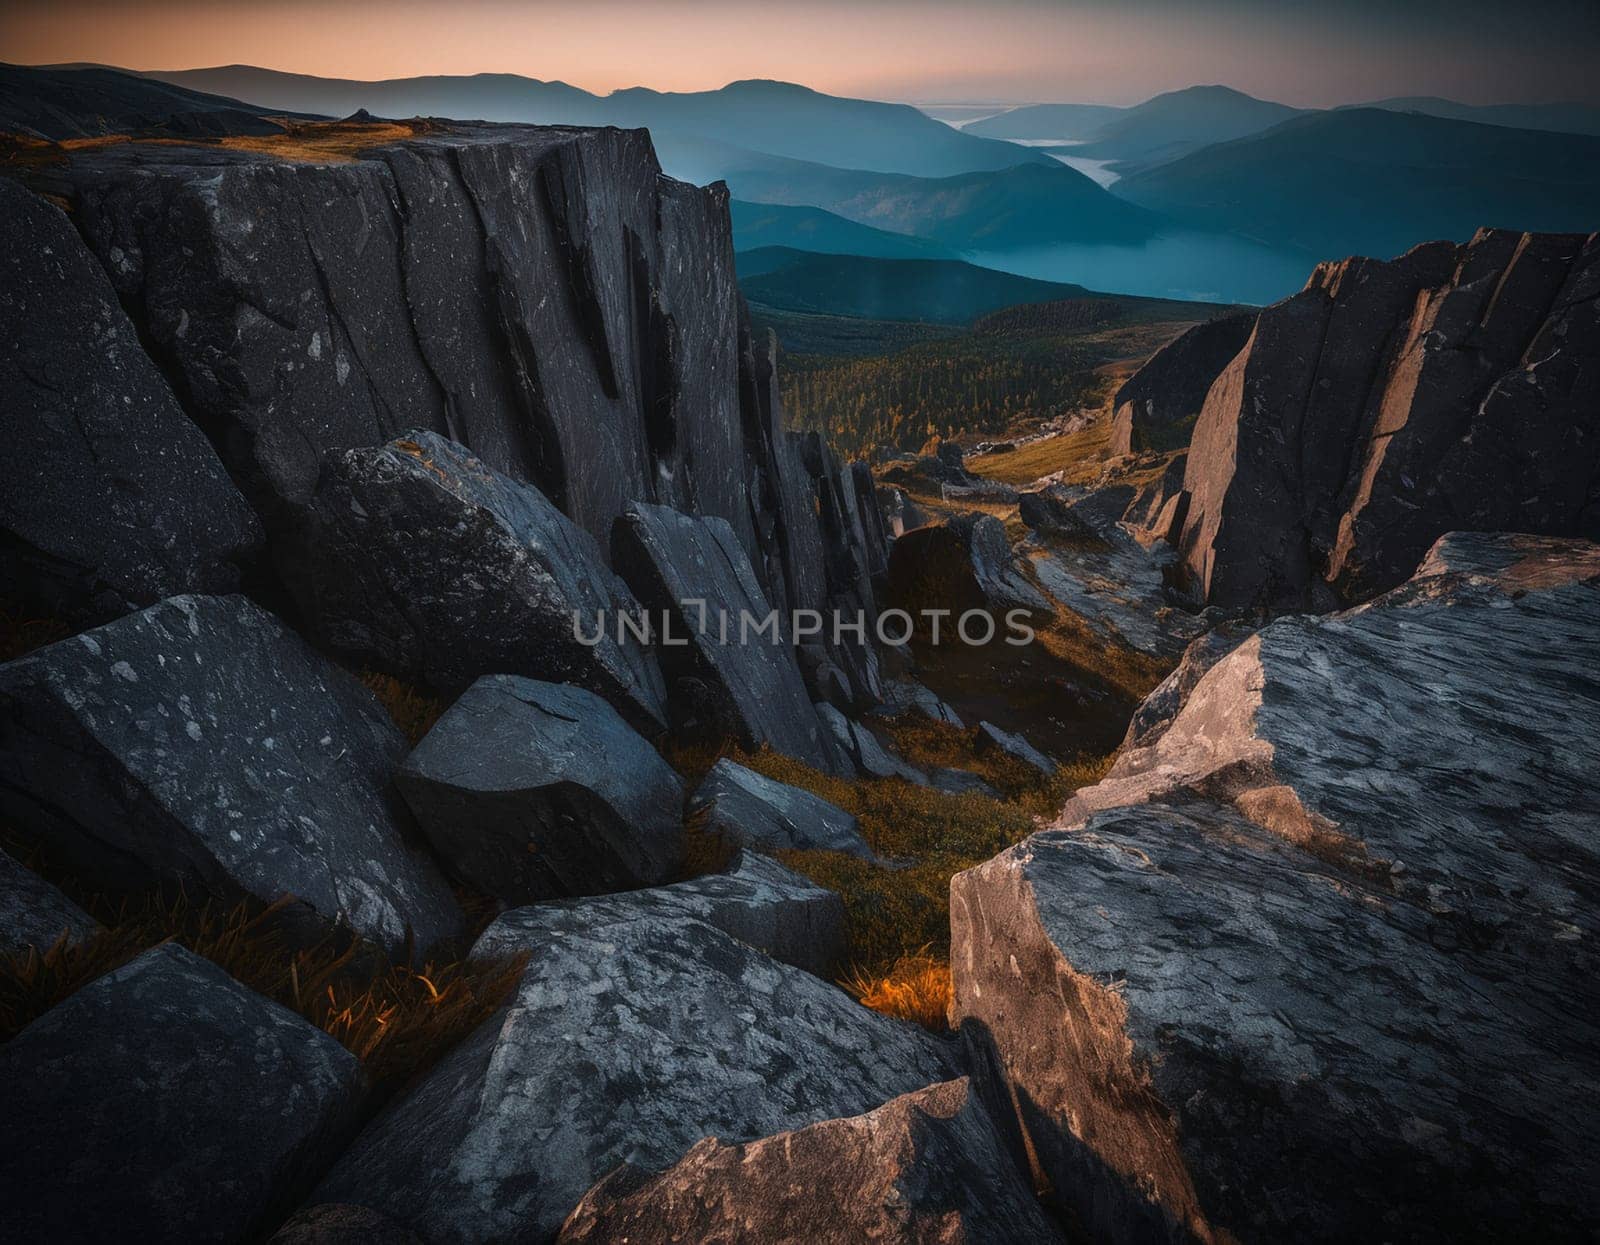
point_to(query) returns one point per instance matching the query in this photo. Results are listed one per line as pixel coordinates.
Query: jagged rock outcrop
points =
(1329, 934)
(964, 563)
(202, 743)
(112, 499)
(1156, 408)
(770, 816)
(1156, 712)
(925, 1167)
(1454, 388)
(417, 557)
(35, 914)
(622, 1041)
(529, 790)
(725, 651)
(166, 1102)
(871, 758)
(542, 296)
(1098, 570)
(992, 739)
(757, 901)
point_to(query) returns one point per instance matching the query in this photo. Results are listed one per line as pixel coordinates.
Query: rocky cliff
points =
(1326, 931)
(1389, 402)
(543, 297)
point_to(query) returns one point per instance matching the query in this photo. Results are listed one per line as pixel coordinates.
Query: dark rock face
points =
(529, 790)
(960, 564)
(720, 668)
(1158, 405)
(112, 499)
(542, 296)
(626, 1041)
(1383, 822)
(927, 1166)
(757, 901)
(1454, 388)
(200, 742)
(166, 1102)
(35, 914)
(417, 557)
(768, 815)
(333, 1224)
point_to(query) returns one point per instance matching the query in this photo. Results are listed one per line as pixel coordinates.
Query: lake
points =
(1186, 264)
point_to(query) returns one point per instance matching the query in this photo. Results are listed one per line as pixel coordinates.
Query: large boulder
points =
(166, 1102)
(964, 563)
(1314, 964)
(1454, 388)
(529, 790)
(417, 557)
(113, 498)
(627, 1041)
(725, 673)
(1156, 407)
(35, 914)
(927, 1166)
(200, 743)
(751, 809)
(756, 900)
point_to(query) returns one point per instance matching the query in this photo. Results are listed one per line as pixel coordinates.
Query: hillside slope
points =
(1370, 182)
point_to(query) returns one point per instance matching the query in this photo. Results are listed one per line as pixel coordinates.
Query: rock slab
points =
(529, 790)
(202, 743)
(417, 557)
(112, 498)
(750, 808)
(622, 1042)
(1315, 963)
(926, 1167)
(166, 1102)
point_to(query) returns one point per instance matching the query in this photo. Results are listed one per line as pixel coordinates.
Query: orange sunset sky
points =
(1338, 51)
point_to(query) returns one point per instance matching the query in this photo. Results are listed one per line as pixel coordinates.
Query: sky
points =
(989, 51)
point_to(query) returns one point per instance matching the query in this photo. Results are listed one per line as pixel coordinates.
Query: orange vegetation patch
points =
(396, 1019)
(413, 710)
(916, 988)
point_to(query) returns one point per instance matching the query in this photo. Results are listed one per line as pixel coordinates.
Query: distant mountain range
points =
(1028, 205)
(778, 118)
(1174, 124)
(757, 225)
(935, 291)
(1160, 129)
(60, 103)
(1368, 181)
(1567, 118)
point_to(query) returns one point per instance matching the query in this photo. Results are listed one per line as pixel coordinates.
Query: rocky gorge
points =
(414, 407)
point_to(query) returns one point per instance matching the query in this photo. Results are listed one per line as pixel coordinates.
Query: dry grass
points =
(902, 907)
(917, 988)
(413, 710)
(320, 142)
(397, 1020)
(22, 631)
(1082, 455)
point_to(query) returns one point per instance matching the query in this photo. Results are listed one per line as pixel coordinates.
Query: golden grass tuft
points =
(22, 631)
(397, 1020)
(413, 710)
(917, 988)
(1082, 455)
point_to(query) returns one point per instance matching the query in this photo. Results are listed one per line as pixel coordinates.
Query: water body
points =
(1185, 264)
